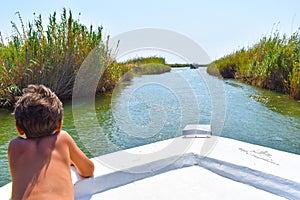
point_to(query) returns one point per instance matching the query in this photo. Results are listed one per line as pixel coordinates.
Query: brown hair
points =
(38, 111)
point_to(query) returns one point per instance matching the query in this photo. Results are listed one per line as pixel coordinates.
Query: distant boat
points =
(192, 66)
(197, 165)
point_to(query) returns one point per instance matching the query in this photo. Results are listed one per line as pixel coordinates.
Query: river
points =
(156, 107)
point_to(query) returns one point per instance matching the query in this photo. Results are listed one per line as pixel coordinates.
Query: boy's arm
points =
(84, 166)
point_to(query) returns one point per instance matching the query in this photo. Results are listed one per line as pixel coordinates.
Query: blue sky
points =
(219, 27)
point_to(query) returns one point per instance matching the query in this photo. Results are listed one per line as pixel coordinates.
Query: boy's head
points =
(38, 112)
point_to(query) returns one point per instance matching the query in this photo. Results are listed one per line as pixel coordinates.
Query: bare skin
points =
(40, 167)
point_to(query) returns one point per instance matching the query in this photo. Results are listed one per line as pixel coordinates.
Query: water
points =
(156, 107)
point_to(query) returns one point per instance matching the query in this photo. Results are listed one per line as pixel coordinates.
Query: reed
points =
(52, 56)
(151, 68)
(146, 60)
(272, 63)
(143, 66)
(49, 56)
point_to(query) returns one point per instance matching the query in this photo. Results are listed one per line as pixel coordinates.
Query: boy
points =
(40, 164)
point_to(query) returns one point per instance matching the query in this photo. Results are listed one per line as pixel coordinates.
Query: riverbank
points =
(52, 56)
(144, 66)
(273, 63)
(49, 54)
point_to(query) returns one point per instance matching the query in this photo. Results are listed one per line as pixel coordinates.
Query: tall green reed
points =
(51, 56)
(272, 63)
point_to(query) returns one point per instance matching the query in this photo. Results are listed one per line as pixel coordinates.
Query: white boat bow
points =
(182, 168)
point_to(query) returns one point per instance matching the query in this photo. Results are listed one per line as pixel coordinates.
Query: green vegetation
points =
(273, 63)
(185, 65)
(151, 68)
(143, 66)
(179, 65)
(50, 56)
(53, 56)
(146, 60)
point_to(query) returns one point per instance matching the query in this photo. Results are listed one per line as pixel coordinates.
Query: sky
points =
(219, 27)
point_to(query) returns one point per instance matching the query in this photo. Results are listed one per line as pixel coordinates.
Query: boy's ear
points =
(58, 127)
(20, 131)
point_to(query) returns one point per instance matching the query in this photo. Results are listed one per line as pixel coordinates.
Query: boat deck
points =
(185, 183)
(191, 168)
(194, 168)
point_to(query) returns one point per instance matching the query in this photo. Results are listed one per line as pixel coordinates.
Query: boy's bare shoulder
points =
(65, 138)
(64, 135)
(16, 143)
(17, 147)
(17, 140)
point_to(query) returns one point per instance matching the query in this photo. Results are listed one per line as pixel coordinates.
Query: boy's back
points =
(40, 166)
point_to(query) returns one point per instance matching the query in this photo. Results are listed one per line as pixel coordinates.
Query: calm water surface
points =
(156, 107)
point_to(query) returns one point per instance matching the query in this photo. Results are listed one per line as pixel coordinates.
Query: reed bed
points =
(49, 56)
(272, 63)
(146, 60)
(144, 66)
(52, 56)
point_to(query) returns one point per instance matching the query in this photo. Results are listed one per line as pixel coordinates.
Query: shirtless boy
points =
(40, 162)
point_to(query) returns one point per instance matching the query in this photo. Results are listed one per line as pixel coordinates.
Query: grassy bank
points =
(272, 63)
(49, 56)
(151, 68)
(176, 65)
(145, 60)
(143, 66)
(53, 55)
